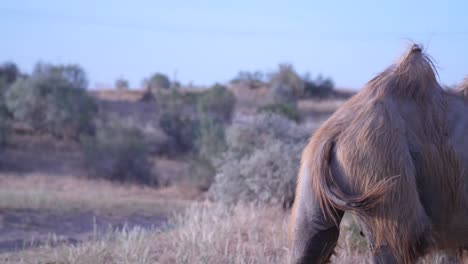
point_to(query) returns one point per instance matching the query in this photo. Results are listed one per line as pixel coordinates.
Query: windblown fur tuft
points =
(413, 76)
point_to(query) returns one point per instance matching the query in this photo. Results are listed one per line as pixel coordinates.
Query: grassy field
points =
(203, 233)
(51, 212)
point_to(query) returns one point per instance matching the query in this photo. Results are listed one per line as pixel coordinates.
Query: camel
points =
(396, 156)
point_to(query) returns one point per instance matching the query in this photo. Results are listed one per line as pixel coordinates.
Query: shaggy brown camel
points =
(396, 156)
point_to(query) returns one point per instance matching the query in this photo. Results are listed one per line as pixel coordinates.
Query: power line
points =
(94, 22)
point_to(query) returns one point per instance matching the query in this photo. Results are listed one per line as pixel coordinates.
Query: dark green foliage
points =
(218, 102)
(182, 130)
(118, 154)
(194, 120)
(287, 110)
(320, 87)
(53, 100)
(210, 139)
(251, 79)
(159, 81)
(178, 121)
(74, 74)
(121, 84)
(9, 72)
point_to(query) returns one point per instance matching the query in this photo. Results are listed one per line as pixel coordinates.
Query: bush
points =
(320, 87)
(53, 100)
(159, 81)
(118, 154)
(268, 176)
(182, 130)
(211, 140)
(195, 120)
(74, 74)
(250, 79)
(178, 120)
(9, 73)
(218, 102)
(287, 110)
(201, 173)
(286, 85)
(248, 133)
(261, 161)
(121, 84)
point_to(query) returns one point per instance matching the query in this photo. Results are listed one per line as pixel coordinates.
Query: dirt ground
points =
(21, 229)
(45, 195)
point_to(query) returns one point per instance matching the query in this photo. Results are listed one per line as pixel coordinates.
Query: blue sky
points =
(211, 40)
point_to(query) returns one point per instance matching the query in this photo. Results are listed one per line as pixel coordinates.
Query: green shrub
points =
(9, 73)
(286, 85)
(250, 79)
(201, 173)
(158, 81)
(195, 120)
(218, 102)
(121, 84)
(52, 100)
(181, 129)
(261, 161)
(267, 176)
(177, 121)
(118, 154)
(5, 119)
(74, 74)
(320, 87)
(210, 138)
(287, 110)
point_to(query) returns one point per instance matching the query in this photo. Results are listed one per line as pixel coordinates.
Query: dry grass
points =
(116, 95)
(218, 234)
(125, 246)
(204, 233)
(71, 193)
(326, 106)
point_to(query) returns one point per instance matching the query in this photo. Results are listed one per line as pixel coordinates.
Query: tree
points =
(121, 84)
(319, 87)
(53, 100)
(73, 73)
(9, 72)
(159, 81)
(286, 85)
(250, 79)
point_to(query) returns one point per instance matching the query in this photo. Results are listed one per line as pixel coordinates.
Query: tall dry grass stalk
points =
(213, 233)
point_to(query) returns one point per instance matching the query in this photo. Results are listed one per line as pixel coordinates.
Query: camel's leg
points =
(314, 236)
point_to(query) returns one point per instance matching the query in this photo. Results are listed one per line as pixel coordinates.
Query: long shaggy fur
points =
(391, 141)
